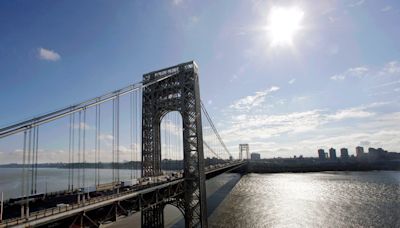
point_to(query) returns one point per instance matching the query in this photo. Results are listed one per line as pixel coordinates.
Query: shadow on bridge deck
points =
(217, 189)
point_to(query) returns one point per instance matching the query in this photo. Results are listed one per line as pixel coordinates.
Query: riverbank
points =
(315, 165)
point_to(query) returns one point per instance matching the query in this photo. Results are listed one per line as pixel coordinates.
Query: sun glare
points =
(283, 24)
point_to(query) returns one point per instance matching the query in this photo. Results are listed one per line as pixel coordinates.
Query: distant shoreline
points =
(315, 165)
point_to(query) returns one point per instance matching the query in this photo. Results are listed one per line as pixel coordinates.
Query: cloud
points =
(333, 19)
(48, 55)
(357, 3)
(256, 127)
(357, 112)
(106, 137)
(365, 143)
(250, 102)
(386, 8)
(177, 2)
(170, 128)
(300, 98)
(390, 68)
(352, 72)
(386, 84)
(291, 81)
(304, 132)
(194, 19)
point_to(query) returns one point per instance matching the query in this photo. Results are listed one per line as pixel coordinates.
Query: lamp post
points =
(1, 208)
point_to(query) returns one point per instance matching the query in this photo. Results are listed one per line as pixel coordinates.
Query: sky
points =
(331, 80)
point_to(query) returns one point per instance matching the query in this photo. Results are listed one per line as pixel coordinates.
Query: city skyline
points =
(341, 89)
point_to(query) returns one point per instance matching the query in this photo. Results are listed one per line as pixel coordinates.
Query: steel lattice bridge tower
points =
(160, 175)
(181, 93)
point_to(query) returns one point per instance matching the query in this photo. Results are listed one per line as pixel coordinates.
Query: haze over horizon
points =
(287, 77)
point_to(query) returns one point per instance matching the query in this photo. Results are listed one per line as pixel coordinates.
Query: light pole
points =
(1, 208)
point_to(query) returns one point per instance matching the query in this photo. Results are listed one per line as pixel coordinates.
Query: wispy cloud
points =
(386, 8)
(300, 98)
(177, 2)
(386, 84)
(249, 102)
(357, 3)
(106, 137)
(263, 126)
(291, 81)
(351, 72)
(48, 55)
(357, 112)
(389, 68)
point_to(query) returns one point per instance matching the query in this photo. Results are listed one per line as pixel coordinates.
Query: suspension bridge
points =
(133, 150)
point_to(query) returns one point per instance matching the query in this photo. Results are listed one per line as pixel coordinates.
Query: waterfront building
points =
(255, 156)
(332, 153)
(359, 151)
(344, 153)
(375, 154)
(321, 154)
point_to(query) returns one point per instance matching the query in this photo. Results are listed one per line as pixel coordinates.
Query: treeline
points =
(166, 164)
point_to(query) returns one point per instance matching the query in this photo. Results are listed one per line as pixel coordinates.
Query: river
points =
(325, 199)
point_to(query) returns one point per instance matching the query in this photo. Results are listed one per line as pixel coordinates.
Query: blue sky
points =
(337, 84)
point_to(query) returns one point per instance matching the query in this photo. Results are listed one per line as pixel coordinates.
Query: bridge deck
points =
(57, 213)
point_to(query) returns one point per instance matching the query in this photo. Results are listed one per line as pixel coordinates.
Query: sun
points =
(283, 24)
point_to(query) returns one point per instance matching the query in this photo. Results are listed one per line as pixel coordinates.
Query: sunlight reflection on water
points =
(329, 199)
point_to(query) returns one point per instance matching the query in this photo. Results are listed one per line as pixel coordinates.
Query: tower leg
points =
(153, 217)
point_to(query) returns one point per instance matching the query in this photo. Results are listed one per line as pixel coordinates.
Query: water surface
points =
(328, 199)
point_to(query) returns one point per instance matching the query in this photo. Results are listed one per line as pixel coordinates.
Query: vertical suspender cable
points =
(79, 149)
(33, 159)
(73, 152)
(137, 132)
(23, 193)
(117, 134)
(29, 158)
(178, 132)
(131, 130)
(95, 145)
(169, 130)
(84, 149)
(69, 152)
(98, 147)
(113, 140)
(36, 158)
(163, 139)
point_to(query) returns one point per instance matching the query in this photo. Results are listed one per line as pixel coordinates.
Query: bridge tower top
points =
(244, 148)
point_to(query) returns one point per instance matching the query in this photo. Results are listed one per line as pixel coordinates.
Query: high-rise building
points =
(332, 153)
(321, 154)
(344, 153)
(359, 151)
(255, 156)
